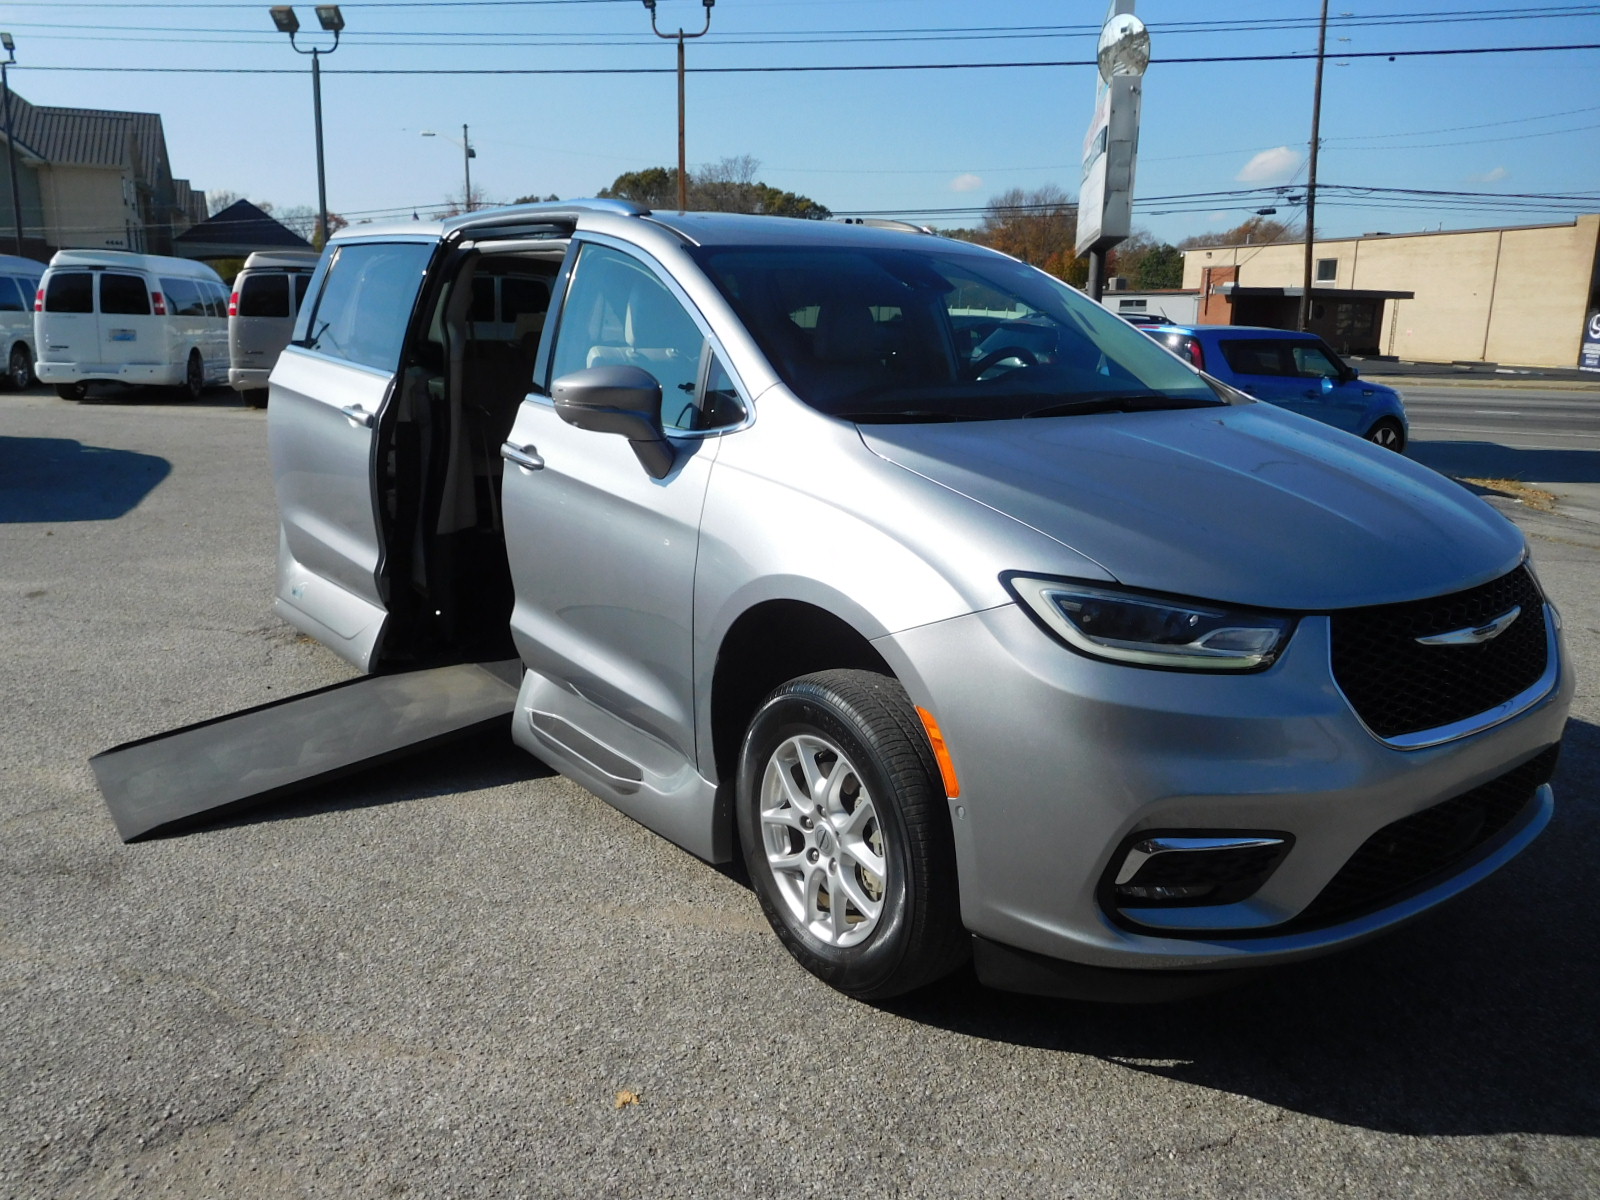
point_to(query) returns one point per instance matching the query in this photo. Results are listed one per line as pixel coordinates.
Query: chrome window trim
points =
(1489, 717)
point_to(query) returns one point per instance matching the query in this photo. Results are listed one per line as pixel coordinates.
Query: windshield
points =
(939, 333)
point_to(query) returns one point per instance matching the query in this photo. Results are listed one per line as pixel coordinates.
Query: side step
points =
(288, 745)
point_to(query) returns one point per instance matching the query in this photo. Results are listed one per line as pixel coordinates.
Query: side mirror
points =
(1354, 374)
(622, 400)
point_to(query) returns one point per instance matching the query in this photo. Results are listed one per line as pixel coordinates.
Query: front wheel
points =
(846, 835)
(1389, 434)
(19, 370)
(72, 391)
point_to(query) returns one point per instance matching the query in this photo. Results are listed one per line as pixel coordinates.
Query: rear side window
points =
(124, 295)
(1257, 356)
(301, 282)
(11, 295)
(70, 292)
(264, 296)
(366, 301)
(184, 298)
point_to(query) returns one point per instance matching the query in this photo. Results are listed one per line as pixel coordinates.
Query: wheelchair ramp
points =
(289, 745)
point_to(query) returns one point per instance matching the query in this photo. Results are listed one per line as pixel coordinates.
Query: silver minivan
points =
(1052, 653)
(262, 307)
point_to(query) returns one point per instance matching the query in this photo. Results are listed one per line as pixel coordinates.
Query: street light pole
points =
(332, 20)
(10, 45)
(1311, 173)
(467, 155)
(683, 169)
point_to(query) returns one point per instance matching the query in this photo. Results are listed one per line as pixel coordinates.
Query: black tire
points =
(255, 398)
(194, 377)
(72, 391)
(888, 801)
(19, 370)
(1388, 433)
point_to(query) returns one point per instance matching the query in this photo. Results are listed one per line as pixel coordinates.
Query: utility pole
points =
(466, 166)
(1311, 173)
(683, 168)
(10, 45)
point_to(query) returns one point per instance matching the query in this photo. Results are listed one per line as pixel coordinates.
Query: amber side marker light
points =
(941, 753)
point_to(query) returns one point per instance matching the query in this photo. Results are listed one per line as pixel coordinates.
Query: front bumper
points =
(1062, 758)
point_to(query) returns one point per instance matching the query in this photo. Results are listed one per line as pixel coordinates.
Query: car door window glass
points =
(11, 295)
(366, 301)
(184, 298)
(1256, 356)
(618, 313)
(264, 296)
(1314, 362)
(124, 295)
(70, 292)
(301, 282)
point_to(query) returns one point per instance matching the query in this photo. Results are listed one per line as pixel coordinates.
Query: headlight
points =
(1153, 631)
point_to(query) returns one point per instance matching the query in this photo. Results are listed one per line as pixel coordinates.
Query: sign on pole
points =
(1105, 197)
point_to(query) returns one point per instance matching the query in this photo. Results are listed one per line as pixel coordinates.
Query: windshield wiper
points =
(1119, 402)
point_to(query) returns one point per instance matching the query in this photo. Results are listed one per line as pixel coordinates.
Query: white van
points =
(261, 311)
(19, 280)
(130, 318)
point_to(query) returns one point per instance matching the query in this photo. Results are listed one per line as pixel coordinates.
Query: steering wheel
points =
(995, 357)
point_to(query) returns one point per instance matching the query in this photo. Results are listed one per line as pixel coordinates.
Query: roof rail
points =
(557, 212)
(886, 223)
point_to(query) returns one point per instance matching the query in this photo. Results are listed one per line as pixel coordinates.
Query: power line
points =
(787, 70)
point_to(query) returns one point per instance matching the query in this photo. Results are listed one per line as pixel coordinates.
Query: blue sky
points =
(924, 143)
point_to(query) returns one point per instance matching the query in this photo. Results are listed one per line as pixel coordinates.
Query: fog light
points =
(1172, 869)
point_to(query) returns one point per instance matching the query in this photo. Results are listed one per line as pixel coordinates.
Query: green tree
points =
(729, 185)
(1161, 267)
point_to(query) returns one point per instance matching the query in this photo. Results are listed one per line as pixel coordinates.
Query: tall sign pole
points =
(1105, 199)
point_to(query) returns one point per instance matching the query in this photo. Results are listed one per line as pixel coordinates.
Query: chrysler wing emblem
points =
(1475, 635)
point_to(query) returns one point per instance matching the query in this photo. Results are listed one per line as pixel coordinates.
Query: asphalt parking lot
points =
(463, 976)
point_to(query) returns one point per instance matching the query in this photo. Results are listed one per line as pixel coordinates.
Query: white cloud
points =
(1494, 176)
(1270, 166)
(966, 183)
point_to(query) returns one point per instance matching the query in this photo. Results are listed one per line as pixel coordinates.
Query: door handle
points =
(525, 457)
(359, 415)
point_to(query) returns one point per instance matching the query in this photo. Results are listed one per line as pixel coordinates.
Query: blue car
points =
(1297, 371)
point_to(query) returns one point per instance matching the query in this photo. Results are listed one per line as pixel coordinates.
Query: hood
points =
(1247, 504)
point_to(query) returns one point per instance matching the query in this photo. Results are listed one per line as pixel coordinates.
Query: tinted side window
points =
(1257, 356)
(124, 295)
(11, 295)
(216, 296)
(366, 301)
(264, 296)
(70, 292)
(300, 284)
(183, 297)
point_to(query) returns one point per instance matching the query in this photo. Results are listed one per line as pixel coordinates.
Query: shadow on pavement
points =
(1487, 460)
(1476, 1020)
(57, 480)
